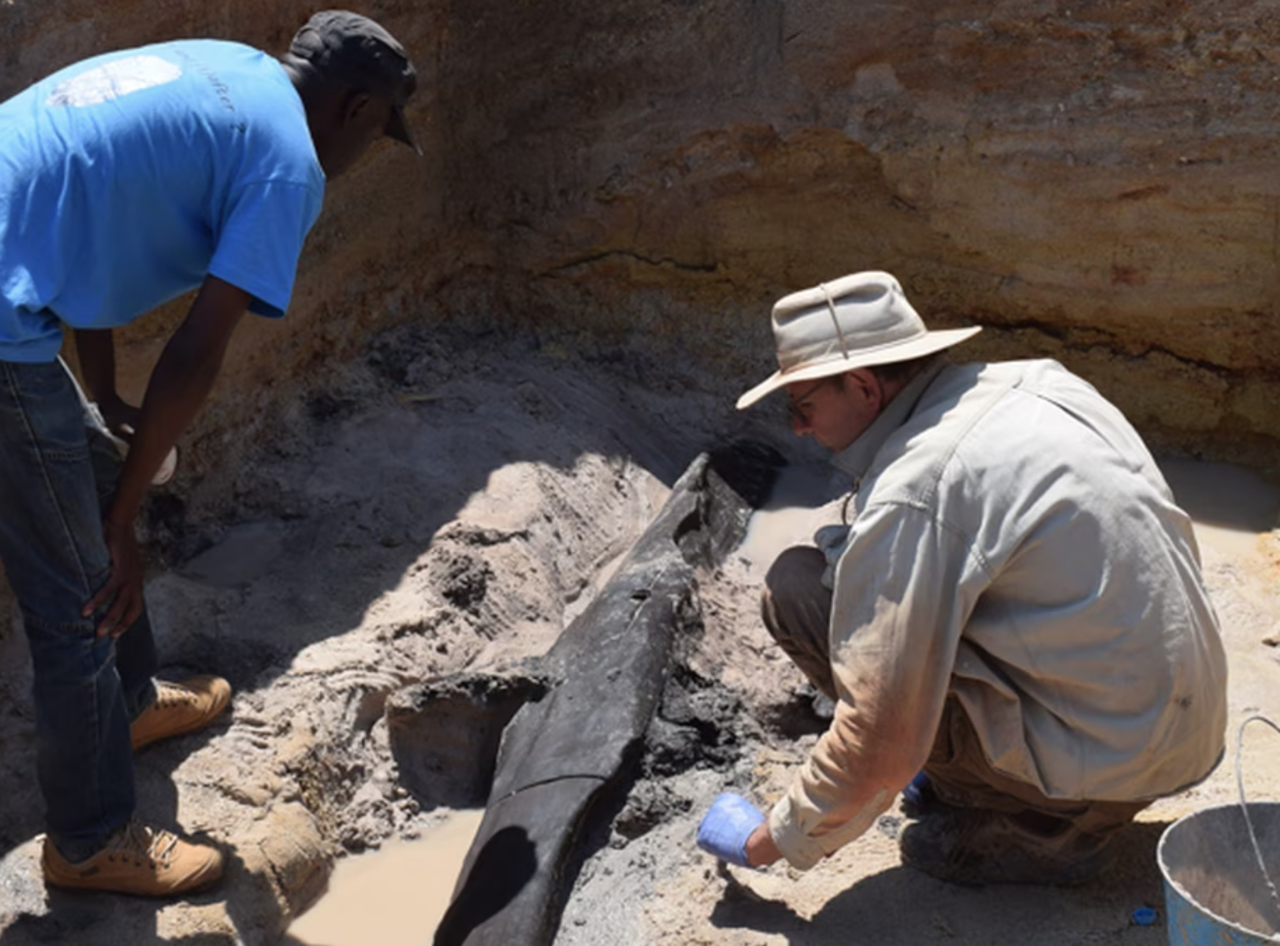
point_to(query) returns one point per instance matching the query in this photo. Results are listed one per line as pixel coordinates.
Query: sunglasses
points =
(796, 406)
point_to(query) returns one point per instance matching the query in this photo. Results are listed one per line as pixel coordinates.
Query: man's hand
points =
(123, 589)
(97, 351)
(761, 850)
(727, 826)
(121, 418)
(180, 382)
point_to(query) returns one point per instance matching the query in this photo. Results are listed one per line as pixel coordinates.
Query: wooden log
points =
(565, 751)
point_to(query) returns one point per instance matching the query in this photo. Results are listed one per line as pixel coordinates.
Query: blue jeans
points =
(57, 476)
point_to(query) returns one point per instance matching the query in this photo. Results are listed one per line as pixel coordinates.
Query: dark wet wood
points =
(564, 752)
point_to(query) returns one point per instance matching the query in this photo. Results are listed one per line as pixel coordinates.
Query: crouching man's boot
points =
(976, 846)
(139, 860)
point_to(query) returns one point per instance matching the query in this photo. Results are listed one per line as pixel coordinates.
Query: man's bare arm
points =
(179, 385)
(97, 353)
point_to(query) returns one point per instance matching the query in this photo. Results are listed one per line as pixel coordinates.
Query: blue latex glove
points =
(726, 826)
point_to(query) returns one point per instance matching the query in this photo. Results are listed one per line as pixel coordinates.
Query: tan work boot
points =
(139, 860)
(976, 847)
(180, 708)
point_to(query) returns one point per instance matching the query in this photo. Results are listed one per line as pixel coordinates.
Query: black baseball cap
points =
(355, 50)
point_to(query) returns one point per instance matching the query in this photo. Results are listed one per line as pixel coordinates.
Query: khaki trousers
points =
(796, 608)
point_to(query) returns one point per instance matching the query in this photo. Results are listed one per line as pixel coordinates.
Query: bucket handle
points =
(1253, 838)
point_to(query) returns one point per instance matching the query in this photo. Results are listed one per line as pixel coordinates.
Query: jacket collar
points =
(856, 458)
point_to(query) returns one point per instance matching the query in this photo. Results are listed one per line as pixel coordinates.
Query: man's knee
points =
(796, 608)
(798, 565)
(789, 589)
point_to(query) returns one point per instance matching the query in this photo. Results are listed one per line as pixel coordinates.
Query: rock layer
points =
(1090, 180)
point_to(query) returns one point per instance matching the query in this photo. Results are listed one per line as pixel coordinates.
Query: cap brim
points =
(397, 129)
(927, 344)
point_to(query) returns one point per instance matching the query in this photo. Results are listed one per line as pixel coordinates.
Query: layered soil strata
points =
(1092, 181)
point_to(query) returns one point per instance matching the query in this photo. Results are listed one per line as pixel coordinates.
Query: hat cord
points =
(835, 320)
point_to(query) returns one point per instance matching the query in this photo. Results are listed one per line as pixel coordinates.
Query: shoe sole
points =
(196, 726)
(87, 885)
(80, 887)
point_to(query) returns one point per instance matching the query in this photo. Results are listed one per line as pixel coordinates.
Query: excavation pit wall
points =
(1093, 182)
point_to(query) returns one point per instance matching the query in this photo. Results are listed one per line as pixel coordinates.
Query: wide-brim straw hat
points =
(854, 322)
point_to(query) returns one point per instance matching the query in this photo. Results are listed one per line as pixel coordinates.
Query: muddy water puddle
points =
(395, 896)
(1231, 508)
(803, 499)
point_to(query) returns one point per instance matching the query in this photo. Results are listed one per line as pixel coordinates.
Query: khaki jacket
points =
(1014, 545)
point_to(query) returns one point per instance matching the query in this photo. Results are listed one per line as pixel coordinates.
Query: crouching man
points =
(1015, 609)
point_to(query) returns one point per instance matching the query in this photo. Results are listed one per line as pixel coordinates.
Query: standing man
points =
(1015, 607)
(126, 180)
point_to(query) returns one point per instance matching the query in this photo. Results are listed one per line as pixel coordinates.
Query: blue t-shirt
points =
(127, 178)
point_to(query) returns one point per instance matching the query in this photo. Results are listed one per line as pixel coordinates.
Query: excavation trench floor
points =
(659, 890)
(454, 508)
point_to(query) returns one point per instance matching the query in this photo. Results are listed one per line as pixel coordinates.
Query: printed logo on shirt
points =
(113, 80)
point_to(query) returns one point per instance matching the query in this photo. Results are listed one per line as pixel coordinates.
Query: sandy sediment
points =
(431, 518)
